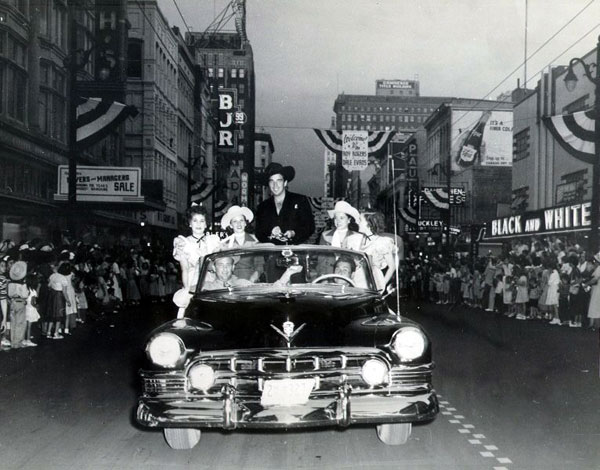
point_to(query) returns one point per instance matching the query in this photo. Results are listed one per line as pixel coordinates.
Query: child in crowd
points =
(3, 303)
(31, 312)
(17, 293)
(564, 313)
(498, 305)
(522, 296)
(507, 297)
(534, 295)
(578, 300)
(80, 298)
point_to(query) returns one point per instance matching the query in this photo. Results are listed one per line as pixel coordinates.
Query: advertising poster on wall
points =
(481, 138)
(355, 150)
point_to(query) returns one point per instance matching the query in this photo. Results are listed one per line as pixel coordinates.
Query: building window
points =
(134, 59)
(220, 72)
(211, 72)
(233, 73)
(15, 105)
(242, 73)
(521, 145)
(571, 190)
(578, 105)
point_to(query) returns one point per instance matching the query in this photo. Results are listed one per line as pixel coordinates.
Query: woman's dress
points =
(378, 249)
(191, 250)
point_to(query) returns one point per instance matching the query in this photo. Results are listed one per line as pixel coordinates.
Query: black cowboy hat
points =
(273, 168)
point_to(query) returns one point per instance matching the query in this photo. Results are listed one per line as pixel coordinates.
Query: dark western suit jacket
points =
(295, 215)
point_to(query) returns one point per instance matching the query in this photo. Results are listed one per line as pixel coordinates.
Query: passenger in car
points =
(224, 277)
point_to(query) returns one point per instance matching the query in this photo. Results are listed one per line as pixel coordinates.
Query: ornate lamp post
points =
(570, 84)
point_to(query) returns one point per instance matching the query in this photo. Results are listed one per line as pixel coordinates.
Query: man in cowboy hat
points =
(285, 217)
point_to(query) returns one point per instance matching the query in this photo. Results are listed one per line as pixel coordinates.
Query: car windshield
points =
(286, 266)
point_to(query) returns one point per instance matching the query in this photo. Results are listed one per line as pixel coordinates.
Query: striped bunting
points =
(220, 209)
(410, 212)
(378, 140)
(96, 117)
(437, 197)
(201, 191)
(575, 133)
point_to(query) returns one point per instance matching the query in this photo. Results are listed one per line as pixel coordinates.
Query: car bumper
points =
(340, 409)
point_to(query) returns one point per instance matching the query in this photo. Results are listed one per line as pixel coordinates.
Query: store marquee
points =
(552, 220)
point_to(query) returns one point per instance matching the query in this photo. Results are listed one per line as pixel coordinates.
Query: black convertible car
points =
(286, 337)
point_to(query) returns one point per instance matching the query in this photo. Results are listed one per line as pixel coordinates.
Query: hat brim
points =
(287, 172)
(247, 213)
(354, 214)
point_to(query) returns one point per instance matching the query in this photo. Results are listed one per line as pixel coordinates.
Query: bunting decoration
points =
(201, 191)
(410, 212)
(437, 197)
(96, 117)
(575, 133)
(378, 140)
(220, 209)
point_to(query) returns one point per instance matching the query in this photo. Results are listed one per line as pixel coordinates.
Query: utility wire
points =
(181, 15)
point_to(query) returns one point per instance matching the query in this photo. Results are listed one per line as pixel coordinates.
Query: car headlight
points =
(201, 377)
(409, 343)
(165, 349)
(374, 372)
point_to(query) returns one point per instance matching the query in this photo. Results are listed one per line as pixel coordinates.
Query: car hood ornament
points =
(288, 333)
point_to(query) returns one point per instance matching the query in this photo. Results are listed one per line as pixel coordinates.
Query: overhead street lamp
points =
(570, 84)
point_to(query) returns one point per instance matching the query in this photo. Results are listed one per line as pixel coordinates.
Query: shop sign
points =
(555, 219)
(355, 150)
(101, 184)
(244, 187)
(229, 118)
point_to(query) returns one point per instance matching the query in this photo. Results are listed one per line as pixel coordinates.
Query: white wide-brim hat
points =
(235, 211)
(597, 257)
(343, 206)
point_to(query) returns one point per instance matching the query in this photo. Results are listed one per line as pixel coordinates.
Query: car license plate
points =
(286, 392)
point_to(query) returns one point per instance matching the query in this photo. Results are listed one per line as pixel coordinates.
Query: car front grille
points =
(248, 373)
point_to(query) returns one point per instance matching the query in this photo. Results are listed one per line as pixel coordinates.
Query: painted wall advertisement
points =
(481, 138)
(355, 150)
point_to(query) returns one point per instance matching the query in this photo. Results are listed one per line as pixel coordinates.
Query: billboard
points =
(481, 138)
(396, 84)
(101, 184)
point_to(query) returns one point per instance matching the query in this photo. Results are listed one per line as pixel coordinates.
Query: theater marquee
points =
(558, 219)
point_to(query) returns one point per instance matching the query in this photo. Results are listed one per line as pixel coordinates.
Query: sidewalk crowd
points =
(546, 280)
(47, 291)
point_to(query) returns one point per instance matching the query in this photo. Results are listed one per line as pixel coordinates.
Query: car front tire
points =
(394, 434)
(182, 438)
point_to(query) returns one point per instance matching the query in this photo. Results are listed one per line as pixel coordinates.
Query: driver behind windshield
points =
(225, 278)
(344, 266)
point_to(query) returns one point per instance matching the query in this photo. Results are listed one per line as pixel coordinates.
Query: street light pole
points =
(570, 83)
(72, 123)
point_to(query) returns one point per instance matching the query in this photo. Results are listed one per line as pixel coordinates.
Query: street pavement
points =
(514, 395)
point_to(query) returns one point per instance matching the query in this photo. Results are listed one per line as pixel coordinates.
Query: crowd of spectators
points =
(548, 280)
(47, 291)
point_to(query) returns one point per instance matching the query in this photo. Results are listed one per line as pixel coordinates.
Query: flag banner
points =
(437, 197)
(96, 117)
(575, 133)
(377, 140)
(201, 191)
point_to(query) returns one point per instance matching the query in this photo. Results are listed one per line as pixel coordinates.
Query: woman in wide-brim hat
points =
(237, 219)
(342, 236)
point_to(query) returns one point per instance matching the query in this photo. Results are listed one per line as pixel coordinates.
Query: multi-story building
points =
(35, 97)
(153, 136)
(396, 106)
(263, 155)
(228, 62)
(551, 185)
(469, 151)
